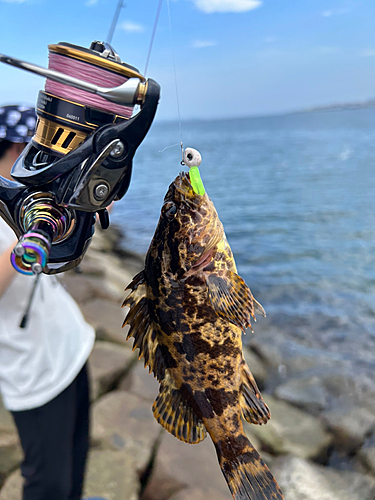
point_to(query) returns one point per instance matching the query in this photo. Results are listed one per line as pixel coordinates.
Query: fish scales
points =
(187, 311)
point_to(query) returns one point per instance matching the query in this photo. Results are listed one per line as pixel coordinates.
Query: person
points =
(43, 377)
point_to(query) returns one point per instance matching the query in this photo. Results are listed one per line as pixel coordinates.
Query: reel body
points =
(77, 163)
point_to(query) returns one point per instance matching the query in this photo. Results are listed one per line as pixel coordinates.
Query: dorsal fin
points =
(141, 326)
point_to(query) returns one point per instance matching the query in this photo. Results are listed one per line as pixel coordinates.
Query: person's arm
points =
(7, 271)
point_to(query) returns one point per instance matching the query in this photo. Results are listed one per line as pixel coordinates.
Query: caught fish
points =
(188, 309)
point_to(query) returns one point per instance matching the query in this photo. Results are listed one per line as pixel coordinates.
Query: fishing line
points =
(175, 79)
(111, 32)
(153, 34)
(167, 147)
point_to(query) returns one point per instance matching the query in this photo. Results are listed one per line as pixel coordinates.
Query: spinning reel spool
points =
(80, 158)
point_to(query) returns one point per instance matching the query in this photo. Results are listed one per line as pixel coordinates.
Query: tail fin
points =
(249, 478)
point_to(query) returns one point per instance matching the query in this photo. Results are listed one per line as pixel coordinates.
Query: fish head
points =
(188, 231)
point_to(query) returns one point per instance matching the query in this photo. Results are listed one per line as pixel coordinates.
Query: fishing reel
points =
(80, 158)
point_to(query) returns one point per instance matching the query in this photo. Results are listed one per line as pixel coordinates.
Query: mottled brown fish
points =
(188, 309)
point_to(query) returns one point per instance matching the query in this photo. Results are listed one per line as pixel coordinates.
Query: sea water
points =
(296, 196)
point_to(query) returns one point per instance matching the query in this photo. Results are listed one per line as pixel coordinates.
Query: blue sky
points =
(233, 57)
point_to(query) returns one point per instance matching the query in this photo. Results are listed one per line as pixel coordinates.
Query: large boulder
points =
(140, 382)
(306, 392)
(116, 277)
(107, 318)
(256, 365)
(291, 431)
(124, 422)
(108, 363)
(179, 465)
(85, 287)
(198, 494)
(303, 480)
(350, 426)
(112, 475)
(10, 449)
(367, 454)
(12, 489)
(314, 378)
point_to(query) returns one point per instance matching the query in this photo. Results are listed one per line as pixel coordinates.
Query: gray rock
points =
(302, 480)
(12, 489)
(366, 454)
(293, 431)
(107, 364)
(284, 357)
(123, 421)
(315, 379)
(140, 382)
(115, 275)
(199, 494)
(112, 475)
(11, 453)
(349, 425)
(253, 437)
(10, 449)
(84, 287)
(305, 392)
(102, 241)
(6, 420)
(190, 466)
(107, 318)
(256, 366)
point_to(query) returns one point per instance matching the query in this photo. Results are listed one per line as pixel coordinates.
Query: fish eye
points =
(170, 210)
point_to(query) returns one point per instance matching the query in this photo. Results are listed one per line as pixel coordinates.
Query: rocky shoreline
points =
(319, 443)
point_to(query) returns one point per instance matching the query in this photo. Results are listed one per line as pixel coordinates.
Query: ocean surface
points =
(296, 195)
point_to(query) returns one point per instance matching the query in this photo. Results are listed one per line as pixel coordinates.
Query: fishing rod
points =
(116, 15)
(80, 158)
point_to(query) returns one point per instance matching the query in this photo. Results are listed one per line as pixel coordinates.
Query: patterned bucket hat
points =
(17, 123)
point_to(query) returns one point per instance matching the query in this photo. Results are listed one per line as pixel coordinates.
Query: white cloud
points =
(90, 3)
(131, 27)
(13, 1)
(335, 12)
(367, 53)
(211, 6)
(199, 44)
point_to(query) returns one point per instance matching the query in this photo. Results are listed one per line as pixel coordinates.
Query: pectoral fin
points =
(232, 298)
(254, 409)
(177, 416)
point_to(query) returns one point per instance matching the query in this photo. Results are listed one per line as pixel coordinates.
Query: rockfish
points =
(188, 309)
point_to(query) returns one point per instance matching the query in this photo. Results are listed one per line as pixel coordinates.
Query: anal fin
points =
(177, 416)
(254, 409)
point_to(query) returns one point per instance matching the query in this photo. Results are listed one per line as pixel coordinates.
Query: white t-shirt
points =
(38, 362)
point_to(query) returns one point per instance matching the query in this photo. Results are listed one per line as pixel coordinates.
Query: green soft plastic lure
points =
(192, 159)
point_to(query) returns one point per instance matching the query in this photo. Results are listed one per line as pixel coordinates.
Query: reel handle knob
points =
(31, 253)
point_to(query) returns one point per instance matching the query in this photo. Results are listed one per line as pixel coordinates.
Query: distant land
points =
(340, 106)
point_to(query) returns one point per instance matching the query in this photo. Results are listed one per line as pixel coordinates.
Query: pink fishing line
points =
(88, 73)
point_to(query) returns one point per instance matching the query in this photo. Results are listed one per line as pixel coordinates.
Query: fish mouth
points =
(183, 185)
